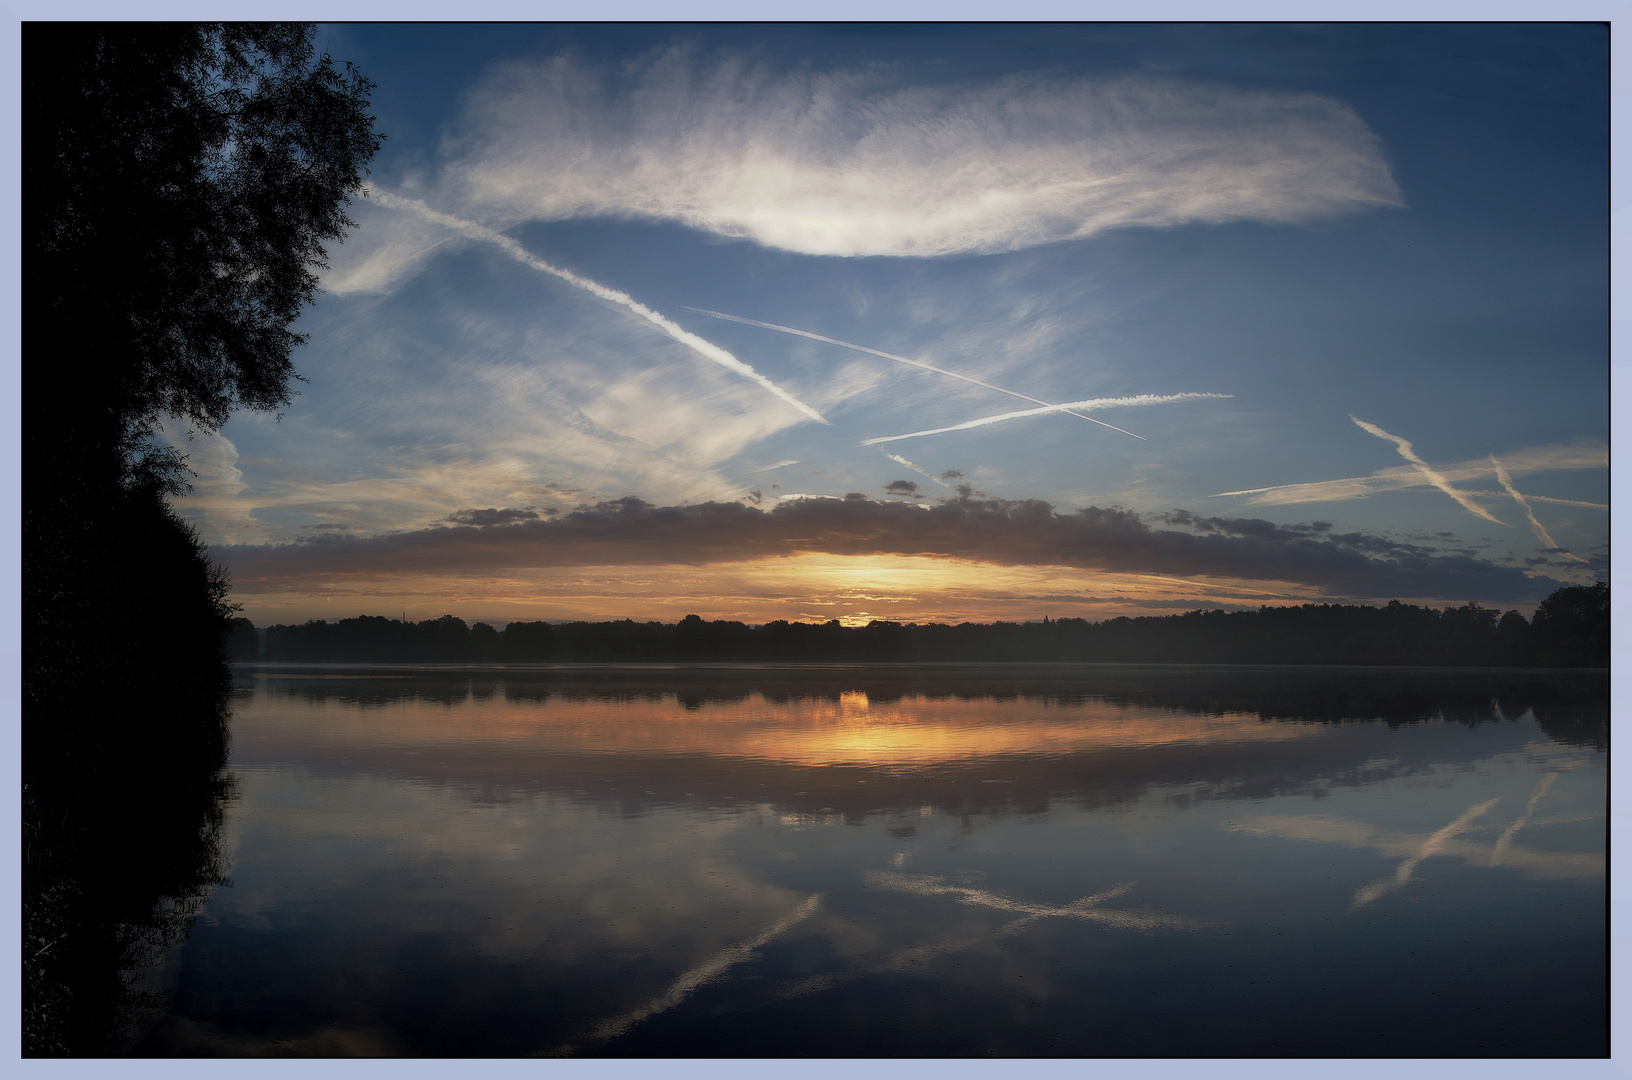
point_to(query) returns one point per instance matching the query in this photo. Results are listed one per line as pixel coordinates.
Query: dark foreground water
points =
(1101, 862)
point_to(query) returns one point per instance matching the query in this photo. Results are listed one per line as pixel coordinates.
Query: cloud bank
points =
(857, 163)
(630, 531)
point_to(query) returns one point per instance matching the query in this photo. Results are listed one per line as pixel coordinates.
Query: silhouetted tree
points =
(1571, 627)
(179, 182)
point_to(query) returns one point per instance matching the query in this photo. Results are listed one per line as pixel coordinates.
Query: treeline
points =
(1570, 629)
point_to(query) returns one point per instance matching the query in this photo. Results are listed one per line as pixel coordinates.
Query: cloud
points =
(490, 516)
(1091, 403)
(854, 163)
(902, 487)
(629, 531)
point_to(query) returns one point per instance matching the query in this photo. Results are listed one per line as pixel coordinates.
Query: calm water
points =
(905, 862)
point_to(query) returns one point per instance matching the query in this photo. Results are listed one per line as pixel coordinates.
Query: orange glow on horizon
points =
(853, 589)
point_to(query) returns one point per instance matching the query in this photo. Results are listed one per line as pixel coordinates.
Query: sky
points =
(944, 323)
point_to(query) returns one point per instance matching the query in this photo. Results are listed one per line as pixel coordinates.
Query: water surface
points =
(905, 861)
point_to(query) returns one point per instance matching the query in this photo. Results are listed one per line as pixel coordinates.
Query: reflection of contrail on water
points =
(1366, 894)
(706, 972)
(1427, 470)
(1535, 526)
(910, 959)
(706, 349)
(1091, 403)
(1506, 839)
(898, 359)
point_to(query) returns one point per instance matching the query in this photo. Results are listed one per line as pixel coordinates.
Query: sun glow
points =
(854, 589)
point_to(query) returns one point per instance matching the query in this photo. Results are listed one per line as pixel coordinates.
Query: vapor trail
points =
(1546, 499)
(706, 349)
(1427, 471)
(706, 972)
(898, 359)
(1535, 526)
(899, 460)
(1091, 403)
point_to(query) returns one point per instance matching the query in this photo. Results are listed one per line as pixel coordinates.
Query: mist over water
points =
(904, 861)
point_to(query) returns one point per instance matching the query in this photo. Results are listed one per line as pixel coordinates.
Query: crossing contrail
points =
(1091, 403)
(1535, 526)
(898, 359)
(706, 349)
(1427, 471)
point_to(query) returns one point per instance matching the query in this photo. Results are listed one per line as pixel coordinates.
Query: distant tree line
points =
(1569, 629)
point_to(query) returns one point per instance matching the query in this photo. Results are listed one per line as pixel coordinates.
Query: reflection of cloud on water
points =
(1431, 846)
(706, 972)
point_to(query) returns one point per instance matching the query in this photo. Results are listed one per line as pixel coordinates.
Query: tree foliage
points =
(180, 183)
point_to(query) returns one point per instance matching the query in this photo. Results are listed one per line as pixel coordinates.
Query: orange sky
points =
(801, 588)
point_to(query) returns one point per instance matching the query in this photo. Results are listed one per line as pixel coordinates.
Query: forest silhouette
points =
(1569, 629)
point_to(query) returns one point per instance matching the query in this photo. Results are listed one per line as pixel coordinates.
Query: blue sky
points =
(1381, 249)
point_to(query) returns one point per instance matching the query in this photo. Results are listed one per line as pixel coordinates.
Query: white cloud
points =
(847, 163)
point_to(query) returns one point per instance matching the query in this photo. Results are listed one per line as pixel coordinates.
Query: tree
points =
(179, 185)
(1571, 627)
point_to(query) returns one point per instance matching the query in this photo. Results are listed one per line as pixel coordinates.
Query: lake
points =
(1056, 860)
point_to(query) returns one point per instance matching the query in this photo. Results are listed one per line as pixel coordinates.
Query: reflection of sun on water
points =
(852, 728)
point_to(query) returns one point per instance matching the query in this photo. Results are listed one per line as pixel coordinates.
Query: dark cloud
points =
(484, 518)
(1013, 532)
(901, 487)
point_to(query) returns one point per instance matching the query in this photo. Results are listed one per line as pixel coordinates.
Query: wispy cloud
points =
(859, 163)
(1434, 478)
(1535, 526)
(1070, 406)
(904, 360)
(706, 349)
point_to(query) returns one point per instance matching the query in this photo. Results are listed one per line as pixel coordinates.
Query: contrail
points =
(1091, 403)
(1535, 526)
(898, 359)
(1431, 846)
(706, 349)
(1544, 499)
(899, 460)
(706, 972)
(1427, 471)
